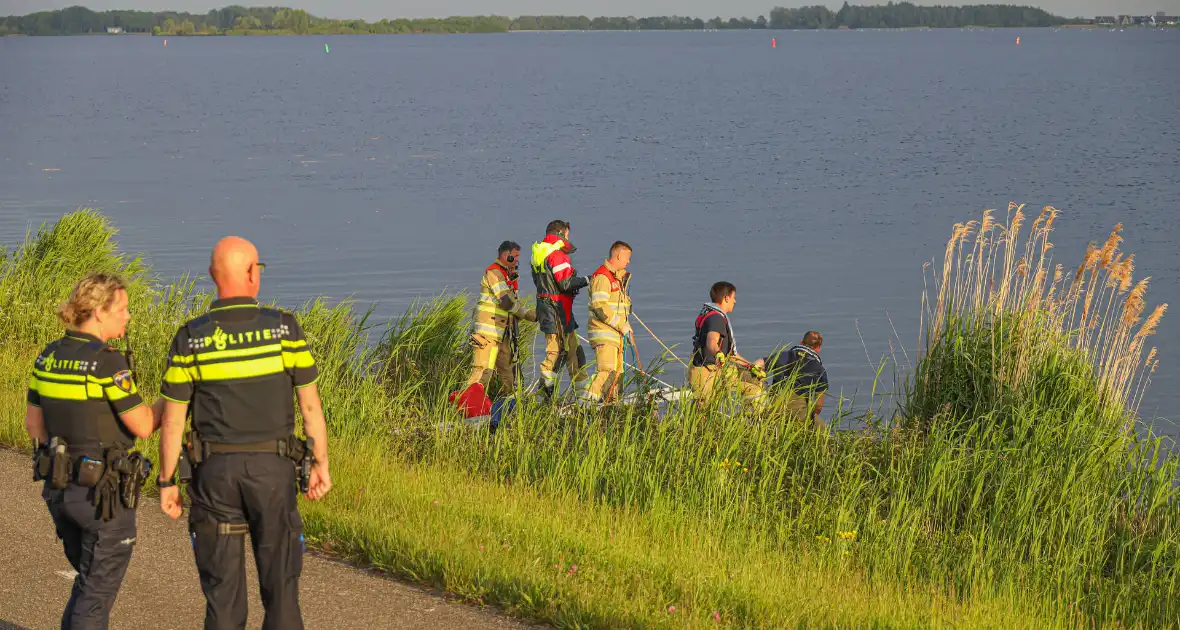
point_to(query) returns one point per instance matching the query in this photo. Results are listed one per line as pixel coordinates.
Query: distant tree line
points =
(237, 20)
(907, 15)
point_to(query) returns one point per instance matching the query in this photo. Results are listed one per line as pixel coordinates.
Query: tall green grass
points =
(1009, 487)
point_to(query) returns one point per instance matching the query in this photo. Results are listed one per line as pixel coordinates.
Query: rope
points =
(653, 336)
(640, 370)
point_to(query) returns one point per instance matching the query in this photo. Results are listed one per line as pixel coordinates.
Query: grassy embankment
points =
(1009, 488)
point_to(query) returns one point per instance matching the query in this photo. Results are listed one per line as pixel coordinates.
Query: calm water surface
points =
(817, 176)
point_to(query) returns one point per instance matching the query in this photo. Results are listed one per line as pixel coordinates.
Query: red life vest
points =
(698, 339)
(513, 284)
(603, 270)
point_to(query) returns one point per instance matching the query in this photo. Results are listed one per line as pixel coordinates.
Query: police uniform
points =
(81, 386)
(237, 366)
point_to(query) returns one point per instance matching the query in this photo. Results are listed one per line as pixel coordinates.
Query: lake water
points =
(817, 176)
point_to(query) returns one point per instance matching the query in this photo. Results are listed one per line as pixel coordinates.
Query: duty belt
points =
(278, 447)
(196, 451)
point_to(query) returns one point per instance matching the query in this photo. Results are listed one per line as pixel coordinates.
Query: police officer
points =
(84, 412)
(239, 367)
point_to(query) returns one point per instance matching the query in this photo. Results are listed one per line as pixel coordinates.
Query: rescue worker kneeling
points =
(239, 367)
(715, 359)
(497, 314)
(83, 414)
(610, 310)
(800, 369)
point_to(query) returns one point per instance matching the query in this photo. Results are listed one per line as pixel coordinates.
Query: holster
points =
(42, 462)
(134, 470)
(59, 474)
(194, 448)
(106, 491)
(302, 452)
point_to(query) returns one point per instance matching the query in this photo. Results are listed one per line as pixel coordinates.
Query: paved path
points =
(161, 590)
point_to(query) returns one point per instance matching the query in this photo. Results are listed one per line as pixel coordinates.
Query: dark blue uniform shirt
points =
(801, 364)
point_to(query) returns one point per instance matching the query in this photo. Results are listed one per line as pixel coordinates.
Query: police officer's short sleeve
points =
(178, 381)
(297, 357)
(34, 396)
(117, 381)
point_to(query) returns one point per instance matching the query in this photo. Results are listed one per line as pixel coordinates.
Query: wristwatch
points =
(165, 483)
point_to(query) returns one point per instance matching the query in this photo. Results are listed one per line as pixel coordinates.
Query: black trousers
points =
(255, 491)
(99, 551)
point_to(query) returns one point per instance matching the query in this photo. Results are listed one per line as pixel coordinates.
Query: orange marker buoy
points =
(1017, 40)
(773, 43)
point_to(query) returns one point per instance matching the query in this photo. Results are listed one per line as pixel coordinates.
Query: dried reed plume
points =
(999, 284)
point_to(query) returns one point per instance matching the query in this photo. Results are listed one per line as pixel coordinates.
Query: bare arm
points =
(819, 404)
(171, 436)
(35, 423)
(316, 428)
(314, 424)
(143, 420)
(713, 343)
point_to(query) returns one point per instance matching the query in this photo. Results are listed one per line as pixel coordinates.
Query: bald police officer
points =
(239, 367)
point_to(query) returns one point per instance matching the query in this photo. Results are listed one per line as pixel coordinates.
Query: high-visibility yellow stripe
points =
(600, 296)
(241, 369)
(113, 392)
(491, 308)
(297, 359)
(489, 330)
(499, 288)
(604, 335)
(298, 343)
(62, 391)
(73, 378)
(179, 375)
(225, 354)
(33, 383)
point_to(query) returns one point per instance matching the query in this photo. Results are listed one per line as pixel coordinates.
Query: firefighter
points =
(557, 283)
(494, 338)
(715, 359)
(610, 310)
(240, 367)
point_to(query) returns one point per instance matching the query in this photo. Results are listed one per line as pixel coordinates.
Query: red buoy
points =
(773, 43)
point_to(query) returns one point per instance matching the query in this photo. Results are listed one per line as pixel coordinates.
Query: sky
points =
(378, 9)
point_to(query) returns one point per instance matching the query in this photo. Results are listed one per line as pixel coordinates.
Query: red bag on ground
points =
(472, 401)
